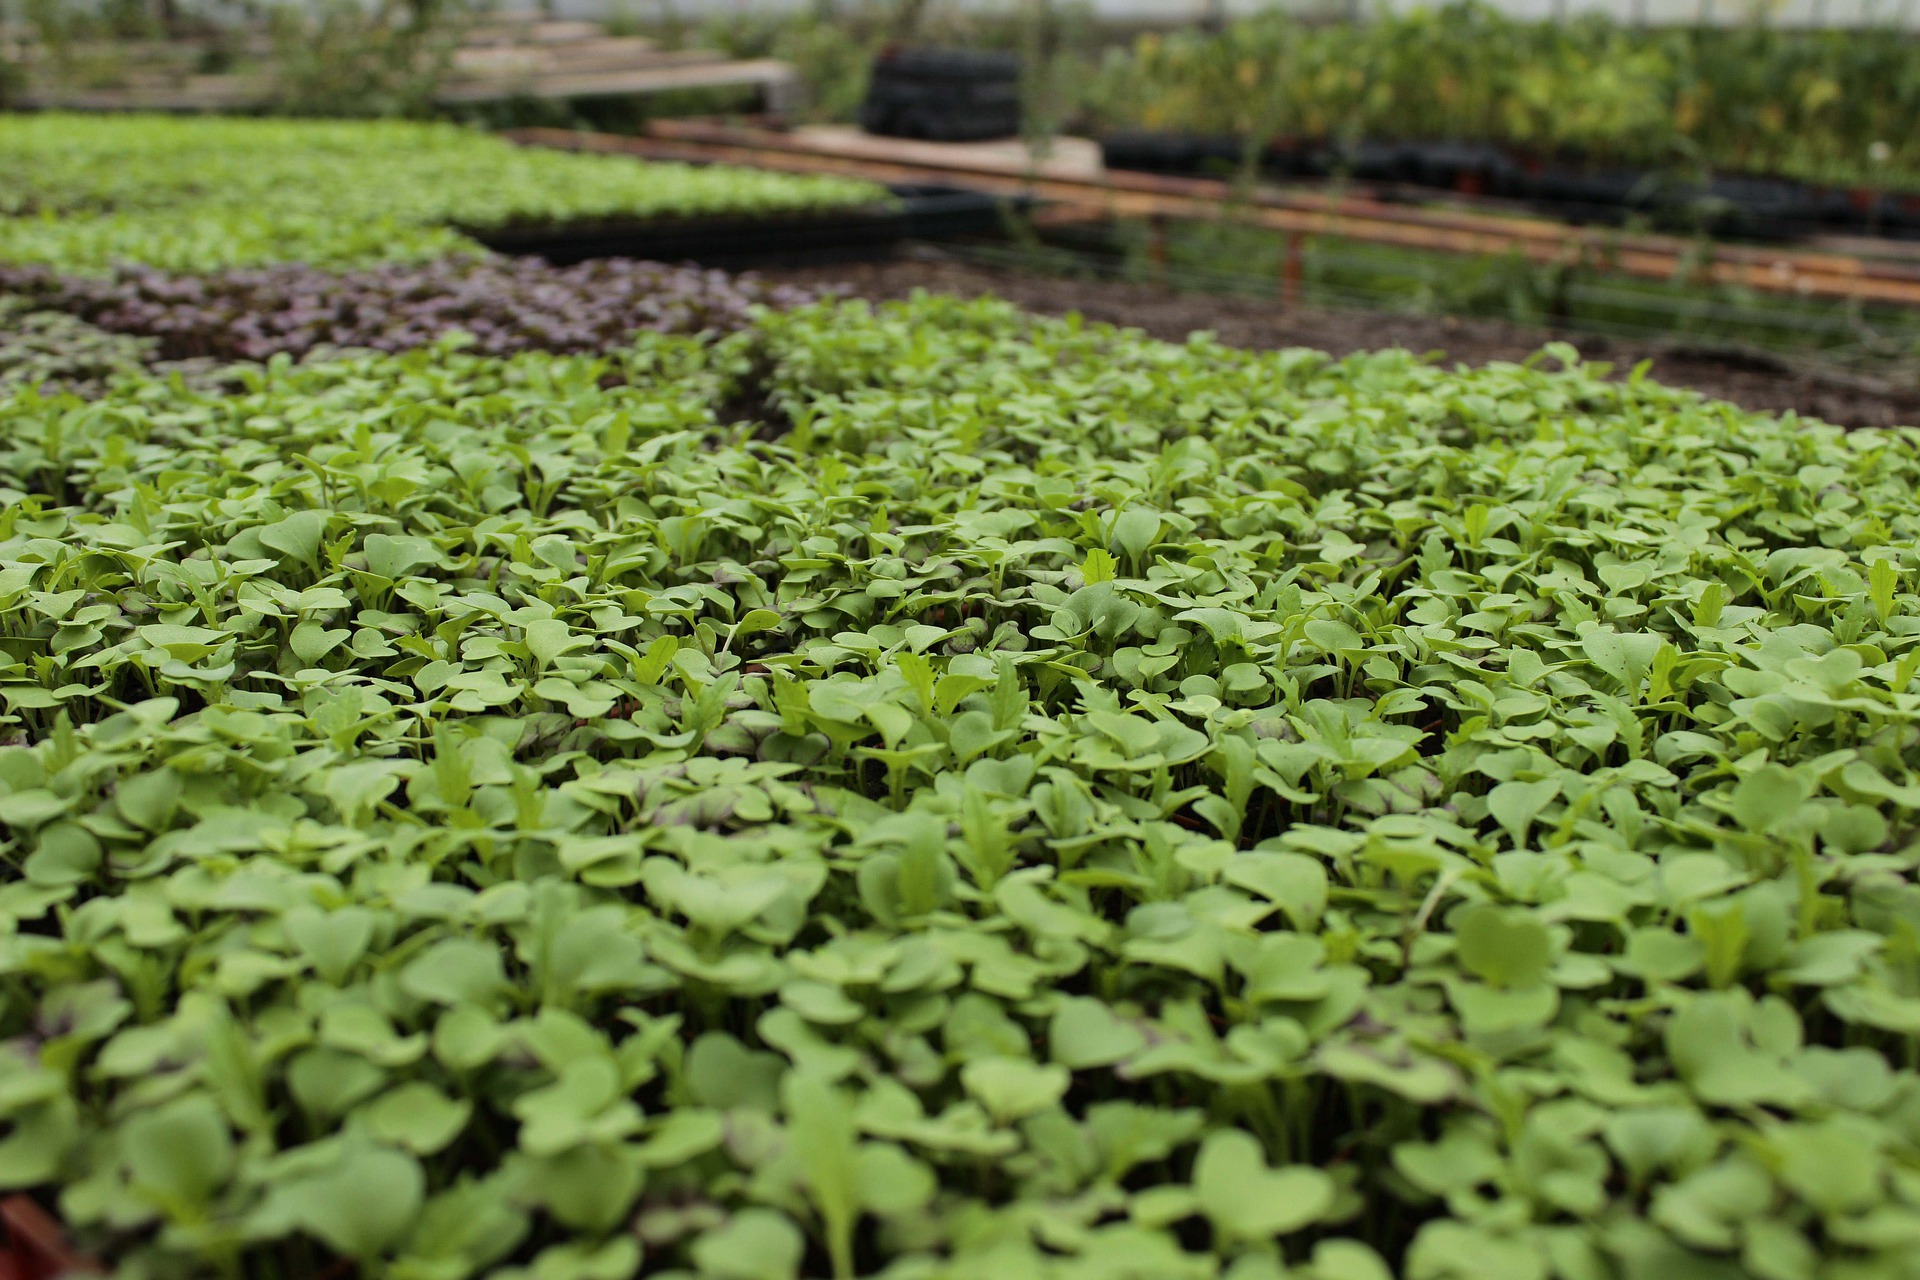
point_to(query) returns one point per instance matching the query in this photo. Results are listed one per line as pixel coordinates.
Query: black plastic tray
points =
(922, 213)
(1738, 205)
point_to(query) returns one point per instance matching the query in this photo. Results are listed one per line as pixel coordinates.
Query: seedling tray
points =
(921, 213)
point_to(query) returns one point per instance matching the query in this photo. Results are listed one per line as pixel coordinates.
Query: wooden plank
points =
(198, 94)
(502, 61)
(768, 74)
(632, 50)
(512, 29)
(496, 60)
(494, 75)
(1070, 157)
(553, 31)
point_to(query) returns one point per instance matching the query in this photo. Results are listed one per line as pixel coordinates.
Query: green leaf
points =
(1293, 881)
(1086, 1033)
(1508, 947)
(418, 1117)
(892, 1182)
(1134, 530)
(1097, 567)
(32, 808)
(1012, 1088)
(548, 638)
(362, 1205)
(297, 536)
(1766, 798)
(1514, 805)
(652, 665)
(1834, 1165)
(1882, 581)
(180, 1154)
(311, 642)
(756, 620)
(1247, 1201)
(333, 942)
(755, 1244)
(1348, 1260)
(455, 971)
(395, 556)
(149, 800)
(821, 1124)
(1334, 637)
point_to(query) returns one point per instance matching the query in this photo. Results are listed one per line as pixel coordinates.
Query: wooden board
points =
(519, 55)
(1072, 158)
(482, 74)
(518, 30)
(778, 82)
(193, 95)
(598, 57)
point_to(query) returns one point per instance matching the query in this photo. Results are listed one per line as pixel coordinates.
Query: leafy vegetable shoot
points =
(940, 793)
(88, 192)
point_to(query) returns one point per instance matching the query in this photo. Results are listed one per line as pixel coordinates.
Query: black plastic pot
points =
(1900, 213)
(1740, 205)
(1766, 207)
(922, 213)
(1461, 166)
(1169, 152)
(1292, 158)
(943, 95)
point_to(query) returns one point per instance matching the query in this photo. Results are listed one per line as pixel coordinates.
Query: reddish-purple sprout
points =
(507, 304)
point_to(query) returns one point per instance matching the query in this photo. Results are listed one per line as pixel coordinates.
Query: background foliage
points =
(1827, 106)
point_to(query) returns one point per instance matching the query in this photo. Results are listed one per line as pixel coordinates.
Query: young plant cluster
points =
(1030, 801)
(57, 352)
(84, 193)
(504, 305)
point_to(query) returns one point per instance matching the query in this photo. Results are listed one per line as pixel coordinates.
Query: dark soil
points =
(1752, 380)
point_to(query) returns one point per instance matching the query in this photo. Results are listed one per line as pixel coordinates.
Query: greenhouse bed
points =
(535, 818)
(207, 195)
(920, 213)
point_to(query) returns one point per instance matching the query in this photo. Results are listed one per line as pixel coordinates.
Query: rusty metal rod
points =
(1820, 275)
(1353, 204)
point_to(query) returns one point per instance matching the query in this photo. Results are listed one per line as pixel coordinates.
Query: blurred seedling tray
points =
(919, 213)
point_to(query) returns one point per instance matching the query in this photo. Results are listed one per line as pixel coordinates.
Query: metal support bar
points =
(1800, 273)
(1293, 269)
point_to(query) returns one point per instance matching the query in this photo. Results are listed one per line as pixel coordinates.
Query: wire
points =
(1418, 286)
